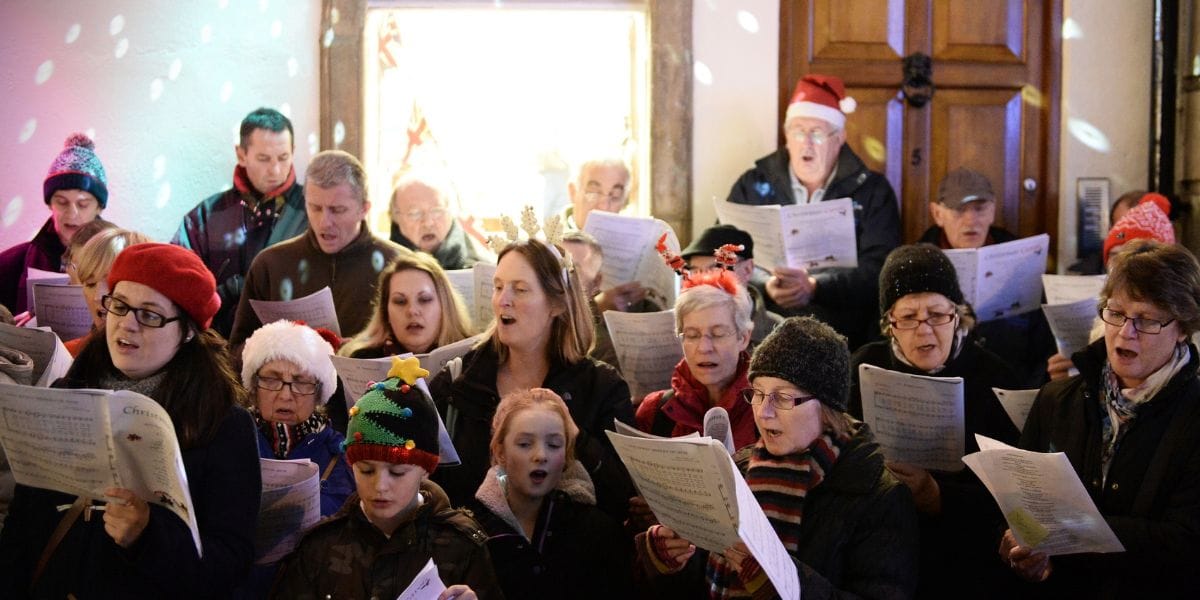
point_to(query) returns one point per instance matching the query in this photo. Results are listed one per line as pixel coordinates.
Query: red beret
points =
(174, 272)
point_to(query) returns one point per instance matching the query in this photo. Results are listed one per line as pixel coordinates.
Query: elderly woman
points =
(1127, 423)
(76, 192)
(416, 310)
(712, 319)
(847, 524)
(927, 326)
(539, 338)
(158, 343)
(90, 266)
(287, 370)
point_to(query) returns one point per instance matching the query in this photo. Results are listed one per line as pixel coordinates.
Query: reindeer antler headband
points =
(724, 278)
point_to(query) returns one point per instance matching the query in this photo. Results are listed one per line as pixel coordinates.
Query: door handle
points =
(917, 86)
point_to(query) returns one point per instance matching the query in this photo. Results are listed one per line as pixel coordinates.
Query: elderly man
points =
(338, 250)
(423, 220)
(964, 213)
(699, 255)
(603, 185)
(265, 206)
(814, 166)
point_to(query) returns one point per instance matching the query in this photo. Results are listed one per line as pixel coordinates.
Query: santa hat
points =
(1147, 220)
(296, 343)
(821, 97)
(77, 168)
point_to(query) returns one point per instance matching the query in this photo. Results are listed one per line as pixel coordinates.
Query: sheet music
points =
(819, 235)
(315, 309)
(763, 225)
(693, 487)
(812, 236)
(1071, 324)
(481, 308)
(33, 276)
(436, 359)
(63, 309)
(916, 419)
(1042, 499)
(427, 585)
(647, 348)
(291, 503)
(1065, 289)
(630, 254)
(463, 282)
(50, 357)
(1017, 404)
(1003, 280)
(81, 442)
(356, 373)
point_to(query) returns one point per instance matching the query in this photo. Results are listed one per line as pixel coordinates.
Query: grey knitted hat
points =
(914, 269)
(808, 354)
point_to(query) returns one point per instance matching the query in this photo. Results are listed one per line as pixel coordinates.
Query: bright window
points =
(506, 99)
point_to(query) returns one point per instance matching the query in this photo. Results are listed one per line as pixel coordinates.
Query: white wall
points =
(1105, 105)
(734, 97)
(162, 84)
(1106, 82)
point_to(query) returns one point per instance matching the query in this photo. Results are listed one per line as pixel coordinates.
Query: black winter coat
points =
(958, 547)
(847, 299)
(858, 537)
(594, 393)
(1151, 497)
(457, 251)
(225, 484)
(574, 549)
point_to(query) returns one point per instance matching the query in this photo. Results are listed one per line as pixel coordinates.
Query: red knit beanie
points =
(174, 272)
(1147, 220)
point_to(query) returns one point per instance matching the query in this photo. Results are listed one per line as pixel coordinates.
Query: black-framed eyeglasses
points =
(274, 384)
(779, 400)
(144, 316)
(1141, 324)
(934, 320)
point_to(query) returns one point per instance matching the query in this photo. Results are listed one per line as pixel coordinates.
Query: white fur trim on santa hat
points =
(298, 344)
(829, 114)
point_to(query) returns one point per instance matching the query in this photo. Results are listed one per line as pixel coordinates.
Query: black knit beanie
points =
(808, 354)
(915, 269)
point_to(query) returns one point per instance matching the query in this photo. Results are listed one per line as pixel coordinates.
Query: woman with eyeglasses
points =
(712, 319)
(927, 325)
(1128, 422)
(157, 343)
(416, 310)
(847, 523)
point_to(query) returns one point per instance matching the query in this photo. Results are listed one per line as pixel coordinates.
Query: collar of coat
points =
(575, 483)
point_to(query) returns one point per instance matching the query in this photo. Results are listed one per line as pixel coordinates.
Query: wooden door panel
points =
(875, 131)
(840, 30)
(981, 31)
(981, 130)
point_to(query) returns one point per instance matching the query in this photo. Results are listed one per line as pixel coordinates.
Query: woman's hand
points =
(735, 555)
(1027, 564)
(620, 297)
(670, 545)
(640, 515)
(925, 491)
(125, 516)
(1059, 366)
(458, 592)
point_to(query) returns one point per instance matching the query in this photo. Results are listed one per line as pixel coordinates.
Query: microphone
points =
(716, 426)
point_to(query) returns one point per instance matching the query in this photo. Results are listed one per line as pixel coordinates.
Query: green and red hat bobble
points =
(394, 421)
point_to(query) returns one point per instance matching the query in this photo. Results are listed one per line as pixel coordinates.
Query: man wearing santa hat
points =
(817, 165)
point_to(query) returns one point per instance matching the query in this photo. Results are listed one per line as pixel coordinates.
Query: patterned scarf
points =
(263, 208)
(284, 437)
(780, 484)
(1119, 406)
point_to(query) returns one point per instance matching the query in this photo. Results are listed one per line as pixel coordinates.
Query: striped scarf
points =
(780, 484)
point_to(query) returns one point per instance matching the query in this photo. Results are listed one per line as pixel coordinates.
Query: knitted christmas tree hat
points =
(395, 421)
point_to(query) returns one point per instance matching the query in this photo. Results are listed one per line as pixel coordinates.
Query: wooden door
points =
(994, 108)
